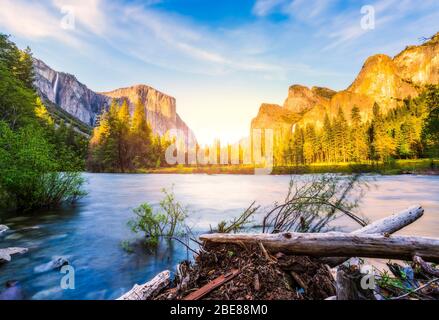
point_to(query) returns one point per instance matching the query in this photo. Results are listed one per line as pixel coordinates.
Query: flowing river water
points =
(89, 234)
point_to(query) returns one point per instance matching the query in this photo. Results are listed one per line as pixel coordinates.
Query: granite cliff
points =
(382, 79)
(70, 95)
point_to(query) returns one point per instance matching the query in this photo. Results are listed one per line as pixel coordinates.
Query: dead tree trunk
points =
(387, 225)
(336, 244)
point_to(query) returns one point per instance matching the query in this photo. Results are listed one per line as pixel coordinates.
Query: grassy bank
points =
(418, 166)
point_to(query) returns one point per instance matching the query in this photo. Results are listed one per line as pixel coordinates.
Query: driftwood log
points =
(5, 254)
(337, 244)
(387, 225)
(148, 290)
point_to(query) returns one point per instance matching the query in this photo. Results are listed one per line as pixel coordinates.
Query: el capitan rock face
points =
(384, 80)
(68, 93)
(160, 108)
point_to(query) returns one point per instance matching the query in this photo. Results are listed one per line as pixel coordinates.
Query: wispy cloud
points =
(35, 20)
(263, 8)
(346, 28)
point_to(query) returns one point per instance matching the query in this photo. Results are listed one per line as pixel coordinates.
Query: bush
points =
(28, 171)
(167, 222)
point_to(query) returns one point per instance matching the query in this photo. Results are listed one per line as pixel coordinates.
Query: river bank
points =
(396, 167)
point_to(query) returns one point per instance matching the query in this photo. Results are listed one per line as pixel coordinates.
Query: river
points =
(90, 233)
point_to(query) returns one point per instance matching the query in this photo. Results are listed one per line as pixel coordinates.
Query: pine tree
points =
(327, 140)
(310, 144)
(341, 136)
(141, 138)
(383, 144)
(358, 143)
(297, 146)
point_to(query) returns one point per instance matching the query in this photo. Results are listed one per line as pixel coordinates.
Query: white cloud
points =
(33, 20)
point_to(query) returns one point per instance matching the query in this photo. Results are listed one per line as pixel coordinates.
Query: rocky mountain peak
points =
(382, 79)
(67, 93)
(301, 99)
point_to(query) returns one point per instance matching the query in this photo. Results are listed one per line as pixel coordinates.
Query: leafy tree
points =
(29, 171)
(37, 165)
(17, 103)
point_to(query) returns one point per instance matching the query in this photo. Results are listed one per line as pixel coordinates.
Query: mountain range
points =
(65, 93)
(383, 80)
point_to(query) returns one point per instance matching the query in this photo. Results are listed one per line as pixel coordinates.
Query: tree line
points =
(410, 131)
(122, 142)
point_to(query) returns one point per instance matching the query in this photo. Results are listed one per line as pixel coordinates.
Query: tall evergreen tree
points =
(341, 136)
(327, 140)
(358, 143)
(141, 134)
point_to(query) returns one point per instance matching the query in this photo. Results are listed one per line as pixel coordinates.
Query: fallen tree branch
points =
(416, 290)
(426, 267)
(337, 244)
(387, 225)
(148, 290)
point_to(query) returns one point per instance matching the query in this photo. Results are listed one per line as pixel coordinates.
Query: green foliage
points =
(168, 221)
(17, 103)
(150, 223)
(409, 131)
(29, 172)
(38, 159)
(125, 143)
(430, 130)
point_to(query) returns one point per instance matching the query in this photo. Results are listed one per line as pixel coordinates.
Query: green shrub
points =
(29, 177)
(168, 221)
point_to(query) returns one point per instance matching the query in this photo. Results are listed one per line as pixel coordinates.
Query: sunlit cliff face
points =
(384, 80)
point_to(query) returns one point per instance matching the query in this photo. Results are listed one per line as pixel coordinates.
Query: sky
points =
(219, 59)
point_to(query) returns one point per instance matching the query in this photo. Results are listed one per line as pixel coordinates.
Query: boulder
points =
(56, 263)
(5, 253)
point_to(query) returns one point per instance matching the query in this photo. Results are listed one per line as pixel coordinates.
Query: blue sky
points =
(220, 59)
